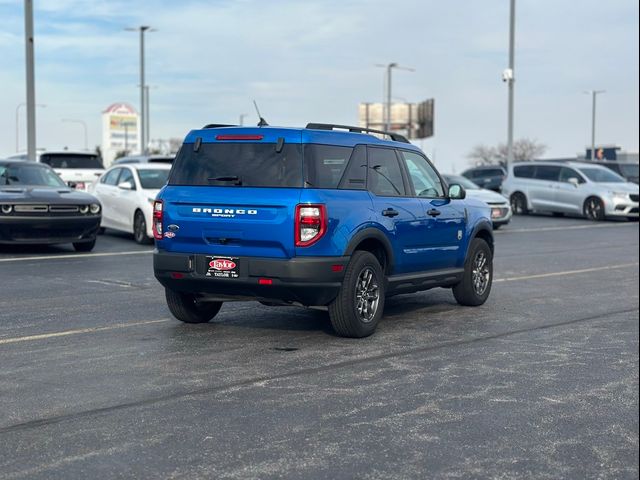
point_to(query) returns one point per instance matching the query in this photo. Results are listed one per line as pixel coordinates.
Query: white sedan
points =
(126, 193)
(500, 207)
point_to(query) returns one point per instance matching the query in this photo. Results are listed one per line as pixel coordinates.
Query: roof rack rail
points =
(218, 125)
(396, 137)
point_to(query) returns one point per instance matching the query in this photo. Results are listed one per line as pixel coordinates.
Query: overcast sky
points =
(312, 60)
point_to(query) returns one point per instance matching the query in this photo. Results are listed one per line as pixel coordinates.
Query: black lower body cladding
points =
(312, 281)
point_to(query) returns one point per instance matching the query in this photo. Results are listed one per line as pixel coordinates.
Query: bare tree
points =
(524, 150)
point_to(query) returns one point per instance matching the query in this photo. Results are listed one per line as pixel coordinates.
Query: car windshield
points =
(153, 179)
(71, 160)
(33, 175)
(602, 175)
(465, 182)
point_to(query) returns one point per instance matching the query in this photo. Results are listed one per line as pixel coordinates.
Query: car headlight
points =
(84, 208)
(7, 209)
(620, 195)
(95, 208)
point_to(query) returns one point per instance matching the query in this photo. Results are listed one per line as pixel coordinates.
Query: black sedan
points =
(37, 207)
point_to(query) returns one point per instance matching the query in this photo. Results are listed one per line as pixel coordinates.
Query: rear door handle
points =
(433, 212)
(390, 212)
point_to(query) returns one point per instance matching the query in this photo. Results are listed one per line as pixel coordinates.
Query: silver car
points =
(572, 187)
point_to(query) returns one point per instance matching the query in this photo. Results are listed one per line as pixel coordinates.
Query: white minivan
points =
(580, 188)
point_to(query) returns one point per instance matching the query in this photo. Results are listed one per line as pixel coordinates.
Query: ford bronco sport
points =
(327, 215)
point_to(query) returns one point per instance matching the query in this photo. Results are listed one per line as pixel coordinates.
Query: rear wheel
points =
(84, 246)
(189, 308)
(593, 209)
(140, 229)
(519, 204)
(358, 307)
(476, 282)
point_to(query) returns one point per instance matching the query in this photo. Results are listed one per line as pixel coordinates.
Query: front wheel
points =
(189, 308)
(519, 204)
(593, 209)
(358, 307)
(84, 246)
(477, 279)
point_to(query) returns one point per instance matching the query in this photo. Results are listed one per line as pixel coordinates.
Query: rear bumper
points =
(308, 281)
(48, 230)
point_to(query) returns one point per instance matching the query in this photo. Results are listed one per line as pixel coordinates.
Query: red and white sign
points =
(222, 265)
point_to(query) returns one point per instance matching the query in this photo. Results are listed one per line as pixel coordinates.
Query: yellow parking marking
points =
(566, 272)
(66, 333)
(572, 227)
(75, 255)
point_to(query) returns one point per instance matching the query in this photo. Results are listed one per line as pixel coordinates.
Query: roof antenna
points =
(262, 122)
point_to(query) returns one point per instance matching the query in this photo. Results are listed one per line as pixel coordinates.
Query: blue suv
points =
(327, 215)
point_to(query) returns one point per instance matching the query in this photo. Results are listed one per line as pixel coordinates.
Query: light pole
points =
(143, 130)
(31, 85)
(594, 94)
(84, 127)
(389, 67)
(241, 122)
(508, 76)
(41, 105)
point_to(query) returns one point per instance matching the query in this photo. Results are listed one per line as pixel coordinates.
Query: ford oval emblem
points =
(173, 228)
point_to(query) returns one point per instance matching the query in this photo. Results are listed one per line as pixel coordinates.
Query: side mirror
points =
(457, 192)
(574, 181)
(125, 186)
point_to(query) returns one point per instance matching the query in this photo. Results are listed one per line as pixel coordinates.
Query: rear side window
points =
(325, 164)
(524, 171)
(71, 160)
(111, 177)
(355, 176)
(547, 173)
(238, 164)
(384, 176)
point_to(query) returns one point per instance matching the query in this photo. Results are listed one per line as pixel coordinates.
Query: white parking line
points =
(572, 227)
(75, 255)
(79, 331)
(566, 272)
(65, 333)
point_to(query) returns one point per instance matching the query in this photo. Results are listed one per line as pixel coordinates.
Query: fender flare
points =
(377, 234)
(483, 225)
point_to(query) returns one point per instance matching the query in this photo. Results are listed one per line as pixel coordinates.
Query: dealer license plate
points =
(223, 267)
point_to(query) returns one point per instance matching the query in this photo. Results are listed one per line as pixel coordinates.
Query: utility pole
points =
(20, 105)
(241, 122)
(389, 67)
(508, 76)
(143, 121)
(31, 88)
(147, 122)
(594, 94)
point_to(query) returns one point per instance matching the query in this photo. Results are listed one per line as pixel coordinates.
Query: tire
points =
(593, 209)
(84, 246)
(557, 214)
(186, 308)
(497, 226)
(519, 204)
(352, 315)
(140, 229)
(472, 290)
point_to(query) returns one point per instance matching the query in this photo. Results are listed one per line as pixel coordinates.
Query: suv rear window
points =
(238, 164)
(71, 160)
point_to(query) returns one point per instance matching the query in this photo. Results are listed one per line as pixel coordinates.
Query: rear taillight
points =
(157, 219)
(310, 224)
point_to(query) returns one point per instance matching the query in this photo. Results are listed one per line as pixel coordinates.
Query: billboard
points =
(414, 120)
(120, 131)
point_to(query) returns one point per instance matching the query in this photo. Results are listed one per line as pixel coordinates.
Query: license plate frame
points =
(220, 266)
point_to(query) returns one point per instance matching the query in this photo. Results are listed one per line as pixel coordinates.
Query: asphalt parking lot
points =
(97, 380)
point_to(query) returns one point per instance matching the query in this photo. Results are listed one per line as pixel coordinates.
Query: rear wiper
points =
(231, 178)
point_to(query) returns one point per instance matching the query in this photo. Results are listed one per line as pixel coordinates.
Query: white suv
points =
(572, 187)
